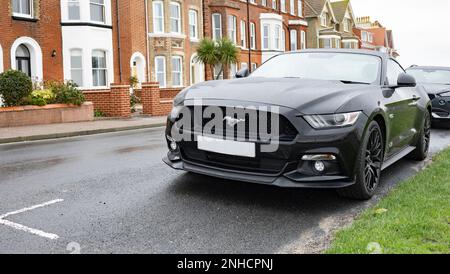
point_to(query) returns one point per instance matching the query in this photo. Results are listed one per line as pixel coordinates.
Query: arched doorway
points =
(137, 66)
(197, 71)
(23, 59)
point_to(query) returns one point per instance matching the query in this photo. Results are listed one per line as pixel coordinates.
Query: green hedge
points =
(14, 87)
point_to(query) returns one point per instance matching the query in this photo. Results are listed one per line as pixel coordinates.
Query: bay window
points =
(99, 68)
(277, 37)
(266, 37)
(76, 67)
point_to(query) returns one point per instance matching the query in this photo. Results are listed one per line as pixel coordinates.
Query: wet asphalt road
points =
(120, 198)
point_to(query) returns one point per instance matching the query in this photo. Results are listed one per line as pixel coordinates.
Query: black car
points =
(343, 117)
(436, 81)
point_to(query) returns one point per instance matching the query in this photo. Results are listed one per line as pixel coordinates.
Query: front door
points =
(23, 60)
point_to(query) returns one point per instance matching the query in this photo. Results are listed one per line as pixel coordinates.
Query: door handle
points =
(415, 98)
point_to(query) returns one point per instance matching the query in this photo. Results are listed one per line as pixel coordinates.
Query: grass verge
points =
(413, 219)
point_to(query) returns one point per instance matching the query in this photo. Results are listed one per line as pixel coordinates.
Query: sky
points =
(421, 28)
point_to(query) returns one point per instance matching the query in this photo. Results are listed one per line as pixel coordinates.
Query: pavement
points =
(62, 130)
(111, 193)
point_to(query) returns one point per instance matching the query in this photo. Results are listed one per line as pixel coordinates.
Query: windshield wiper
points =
(353, 82)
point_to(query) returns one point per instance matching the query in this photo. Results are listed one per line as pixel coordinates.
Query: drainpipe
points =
(146, 41)
(249, 66)
(118, 40)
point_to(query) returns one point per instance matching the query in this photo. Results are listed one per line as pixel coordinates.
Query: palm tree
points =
(222, 52)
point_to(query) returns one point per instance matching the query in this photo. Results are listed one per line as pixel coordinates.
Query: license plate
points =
(227, 147)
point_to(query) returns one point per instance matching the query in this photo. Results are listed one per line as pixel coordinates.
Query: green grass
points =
(417, 220)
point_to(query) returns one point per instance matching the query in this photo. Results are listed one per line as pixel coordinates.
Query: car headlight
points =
(332, 120)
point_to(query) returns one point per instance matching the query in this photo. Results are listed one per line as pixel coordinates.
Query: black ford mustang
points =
(436, 81)
(342, 116)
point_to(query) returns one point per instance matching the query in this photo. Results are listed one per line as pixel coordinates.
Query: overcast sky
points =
(421, 28)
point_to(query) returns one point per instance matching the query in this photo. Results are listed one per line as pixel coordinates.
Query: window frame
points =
(231, 28)
(216, 28)
(265, 46)
(195, 25)
(252, 35)
(293, 40)
(277, 37)
(163, 71)
(103, 5)
(324, 19)
(69, 2)
(283, 6)
(180, 78)
(300, 8)
(105, 69)
(292, 7)
(243, 34)
(81, 69)
(23, 15)
(155, 17)
(302, 39)
(177, 19)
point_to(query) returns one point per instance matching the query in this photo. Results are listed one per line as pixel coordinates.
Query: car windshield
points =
(431, 76)
(345, 67)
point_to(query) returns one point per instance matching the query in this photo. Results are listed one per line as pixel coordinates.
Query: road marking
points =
(29, 229)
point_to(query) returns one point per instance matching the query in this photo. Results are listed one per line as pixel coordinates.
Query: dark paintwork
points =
(401, 109)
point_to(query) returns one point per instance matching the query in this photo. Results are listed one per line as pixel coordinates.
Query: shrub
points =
(40, 97)
(14, 87)
(99, 113)
(133, 101)
(66, 93)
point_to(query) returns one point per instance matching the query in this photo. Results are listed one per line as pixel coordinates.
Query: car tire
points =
(423, 142)
(368, 165)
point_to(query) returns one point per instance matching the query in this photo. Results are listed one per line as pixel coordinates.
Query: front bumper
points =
(291, 171)
(440, 109)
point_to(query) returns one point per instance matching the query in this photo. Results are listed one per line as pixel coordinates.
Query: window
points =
(293, 39)
(158, 17)
(254, 66)
(337, 43)
(303, 39)
(218, 69)
(324, 19)
(277, 37)
(265, 42)
(243, 34)
(274, 4)
(292, 7)
(23, 59)
(217, 26)
(175, 17)
(244, 65)
(393, 71)
(346, 25)
(98, 10)
(76, 67)
(74, 9)
(23, 8)
(283, 40)
(193, 31)
(232, 28)
(232, 71)
(99, 70)
(300, 8)
(364, 36)
(177, 66)
(370, 37)
(253, 1)
(264, 3)
(252, 36)
(160, 70)
(327, 43)
(283, 5)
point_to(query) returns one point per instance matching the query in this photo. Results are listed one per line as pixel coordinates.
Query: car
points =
(436, 81)
(343, 117)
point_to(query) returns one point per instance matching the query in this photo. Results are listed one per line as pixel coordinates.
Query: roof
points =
(355, 51)
(339, 9)
(430, 68)
(313, 8)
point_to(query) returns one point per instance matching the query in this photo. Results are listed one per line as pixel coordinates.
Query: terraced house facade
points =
(260, 28)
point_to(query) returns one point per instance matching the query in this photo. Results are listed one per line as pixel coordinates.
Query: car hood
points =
(306, 96)
(435, 88)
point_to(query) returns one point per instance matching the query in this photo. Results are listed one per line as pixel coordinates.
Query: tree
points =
(212, 53)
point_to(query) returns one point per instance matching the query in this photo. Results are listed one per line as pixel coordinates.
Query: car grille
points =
(286, 130)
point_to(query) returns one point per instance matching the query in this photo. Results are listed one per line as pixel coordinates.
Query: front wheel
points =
(368, 165)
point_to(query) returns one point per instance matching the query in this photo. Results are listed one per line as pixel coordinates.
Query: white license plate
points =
(227, 147)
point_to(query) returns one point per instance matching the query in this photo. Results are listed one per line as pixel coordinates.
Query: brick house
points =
(174, 31)
(374, 36)
(330, 24)
(271, 27)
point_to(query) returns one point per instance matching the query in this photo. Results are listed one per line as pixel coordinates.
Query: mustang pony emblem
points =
(233, 121)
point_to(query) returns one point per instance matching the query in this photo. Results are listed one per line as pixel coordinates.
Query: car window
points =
(393, 71)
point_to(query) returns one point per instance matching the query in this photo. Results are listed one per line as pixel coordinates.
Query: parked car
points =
(344, 116)
(436, 81)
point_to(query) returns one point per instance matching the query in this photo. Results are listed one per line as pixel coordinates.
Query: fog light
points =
(173, 145)
(319, 166)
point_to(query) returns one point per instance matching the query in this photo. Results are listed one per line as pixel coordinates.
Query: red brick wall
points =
(169, 93)
(114, 102)
(152, 101)
(45, 29)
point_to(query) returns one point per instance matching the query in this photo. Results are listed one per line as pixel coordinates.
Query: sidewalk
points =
(51, 131)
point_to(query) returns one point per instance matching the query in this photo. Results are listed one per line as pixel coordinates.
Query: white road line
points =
(29, 229)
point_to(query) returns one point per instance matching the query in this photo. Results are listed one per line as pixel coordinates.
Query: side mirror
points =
(406, 80)
(242, 73)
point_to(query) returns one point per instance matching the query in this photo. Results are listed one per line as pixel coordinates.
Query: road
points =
(116, 196)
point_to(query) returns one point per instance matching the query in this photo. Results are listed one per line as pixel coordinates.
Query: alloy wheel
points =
(373, 160)
(426, 134)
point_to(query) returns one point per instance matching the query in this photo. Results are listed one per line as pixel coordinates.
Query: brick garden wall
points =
(114, 102)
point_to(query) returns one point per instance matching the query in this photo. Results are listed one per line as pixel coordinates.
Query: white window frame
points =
(243, 35)
(265, 38)
(346, 25)
(300, 8)
(103, 8)
(292, 7)
(176, 19)
(274, 4)
(157, 18)
(277, 37)
(264, 3)
(24, 15)
(193, 26)
(180, 78)
(303, 39)
(254, 66)
(73, 2)
(324, 19)
(216, 29)
(81, 69)
(252, 35)
(232, 22)
(293, 40)
(370, 37)
(283, 5)
(330, 40)
(161, 71)
(105, 69)
(364, 35)
(283, 40)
